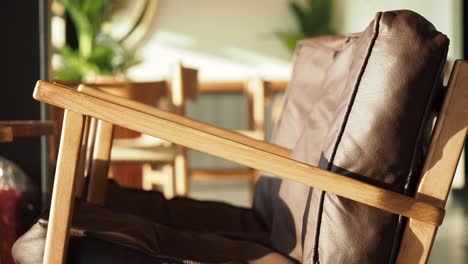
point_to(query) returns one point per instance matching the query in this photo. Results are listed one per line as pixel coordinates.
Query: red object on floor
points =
(10, 220)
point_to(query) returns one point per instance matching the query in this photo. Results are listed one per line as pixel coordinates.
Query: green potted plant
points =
(97, 52)
(314, 19)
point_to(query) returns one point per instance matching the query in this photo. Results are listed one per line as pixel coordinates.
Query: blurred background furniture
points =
(138, 160)
(17, 212)
(260, 95)
(6, 134)
(13, 129)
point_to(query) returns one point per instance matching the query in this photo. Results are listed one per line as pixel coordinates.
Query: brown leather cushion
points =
(99, 235)
(367, 119)
(311, 62)
(29, 249)
(187, 214)
(288, 213)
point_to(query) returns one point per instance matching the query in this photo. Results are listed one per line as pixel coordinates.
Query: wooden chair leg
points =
(168, 178)
(63, 194)
(181, 172)
(97, 189)
(147, 176)
(163, 176)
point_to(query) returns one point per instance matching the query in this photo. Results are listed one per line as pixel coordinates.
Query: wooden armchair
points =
(372, 97)
(425, 210)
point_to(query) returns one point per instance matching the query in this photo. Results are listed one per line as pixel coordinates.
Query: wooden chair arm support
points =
(29, 128)
(235, 147)
(6, 134)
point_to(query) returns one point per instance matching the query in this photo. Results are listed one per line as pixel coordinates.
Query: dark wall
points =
(20, 70)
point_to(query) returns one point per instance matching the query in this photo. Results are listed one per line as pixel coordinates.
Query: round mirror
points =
(130, 20)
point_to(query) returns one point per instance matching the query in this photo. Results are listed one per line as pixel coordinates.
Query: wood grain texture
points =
(243, 150)
(61, 208)
(441, 162)
(30, 128)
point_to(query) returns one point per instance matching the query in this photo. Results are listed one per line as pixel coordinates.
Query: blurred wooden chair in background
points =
(259, 94)
(134, 159)
(13, 129)
(5, 134)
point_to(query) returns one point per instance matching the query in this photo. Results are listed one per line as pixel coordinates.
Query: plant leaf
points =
(290, 39)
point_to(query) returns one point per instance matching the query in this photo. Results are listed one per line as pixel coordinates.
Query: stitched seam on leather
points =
(309, 195)
(342, 129)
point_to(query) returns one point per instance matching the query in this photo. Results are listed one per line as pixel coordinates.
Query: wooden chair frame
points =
(425, 210)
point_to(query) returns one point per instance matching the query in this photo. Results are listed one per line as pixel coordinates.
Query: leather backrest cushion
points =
(311, 61)
(368, 123)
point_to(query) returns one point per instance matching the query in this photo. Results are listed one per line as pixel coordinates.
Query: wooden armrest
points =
(29, 128)
(231, 135)
(6, 134)
(232, 146)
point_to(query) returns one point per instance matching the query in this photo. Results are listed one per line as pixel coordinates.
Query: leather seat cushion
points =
(188, 214)
(99, 235)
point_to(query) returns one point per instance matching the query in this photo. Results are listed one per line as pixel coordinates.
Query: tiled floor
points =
(450, 247)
